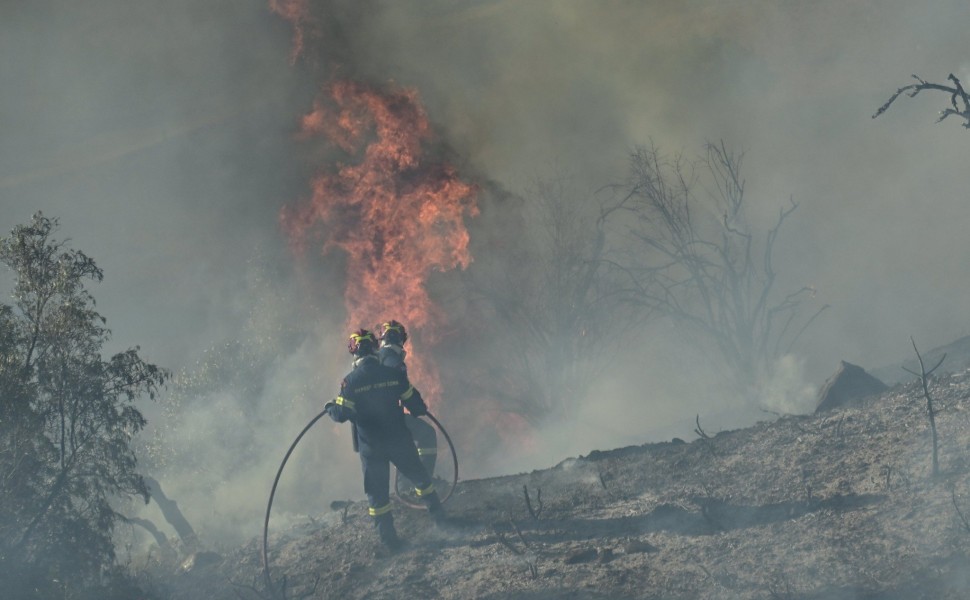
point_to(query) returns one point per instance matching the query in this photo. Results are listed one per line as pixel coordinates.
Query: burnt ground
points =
(836, 506)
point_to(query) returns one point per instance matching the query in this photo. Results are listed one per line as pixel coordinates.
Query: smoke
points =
(793, 85)
(163, 137)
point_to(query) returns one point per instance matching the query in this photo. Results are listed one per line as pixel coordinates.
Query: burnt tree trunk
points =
(172, 514)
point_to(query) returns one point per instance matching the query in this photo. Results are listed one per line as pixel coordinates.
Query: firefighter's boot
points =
(435, 509)
(386, 531)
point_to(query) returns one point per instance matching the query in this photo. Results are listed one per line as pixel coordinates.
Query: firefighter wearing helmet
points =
(370, 398)
(391, 354)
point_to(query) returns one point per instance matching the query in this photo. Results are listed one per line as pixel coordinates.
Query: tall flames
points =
(398, 216)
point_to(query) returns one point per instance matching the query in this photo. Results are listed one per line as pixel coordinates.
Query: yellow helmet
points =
(393, 332)
(362, 342)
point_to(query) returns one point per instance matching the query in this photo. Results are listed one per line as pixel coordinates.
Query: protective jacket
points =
(370, 397)
(425, 436)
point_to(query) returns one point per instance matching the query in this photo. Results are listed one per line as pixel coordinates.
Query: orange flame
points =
(297, 12)
(398, 216)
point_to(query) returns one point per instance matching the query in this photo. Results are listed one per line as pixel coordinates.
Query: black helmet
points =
(393, 332)
(362, 342)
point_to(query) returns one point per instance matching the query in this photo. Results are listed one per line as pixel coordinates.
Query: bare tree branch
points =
(702, 264)
(536, 512)
(958, 96)
(963, 519)
(930, 411)
(699, 430)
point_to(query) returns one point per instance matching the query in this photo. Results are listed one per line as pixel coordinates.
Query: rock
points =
(847, 387)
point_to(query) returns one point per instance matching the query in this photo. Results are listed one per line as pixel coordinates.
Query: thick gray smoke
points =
(163, 137)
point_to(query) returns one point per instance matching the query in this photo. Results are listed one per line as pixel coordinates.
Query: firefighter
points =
(392, 353)
(370, 397)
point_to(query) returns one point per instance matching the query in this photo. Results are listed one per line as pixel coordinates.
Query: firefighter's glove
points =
(413, 401)
(340, 410)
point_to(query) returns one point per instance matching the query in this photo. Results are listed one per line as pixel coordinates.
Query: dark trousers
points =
(426, 439)
(377, 469)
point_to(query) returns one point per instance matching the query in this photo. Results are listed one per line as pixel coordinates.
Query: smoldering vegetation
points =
(838, 505)
(165, 141)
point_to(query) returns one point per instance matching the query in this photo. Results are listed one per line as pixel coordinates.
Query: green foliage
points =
(67, 418)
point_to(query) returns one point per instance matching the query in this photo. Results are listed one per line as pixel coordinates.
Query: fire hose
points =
(279, 472)
(454, 460)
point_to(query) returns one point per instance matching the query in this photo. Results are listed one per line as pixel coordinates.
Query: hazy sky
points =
(162, 134)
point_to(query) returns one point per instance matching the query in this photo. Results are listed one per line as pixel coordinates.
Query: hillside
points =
(957, 358)
(835, 506)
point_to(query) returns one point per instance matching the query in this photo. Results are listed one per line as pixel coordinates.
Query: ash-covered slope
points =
(834, 506)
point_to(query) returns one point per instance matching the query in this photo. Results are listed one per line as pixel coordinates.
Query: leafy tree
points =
(697, 259)
(67, 417)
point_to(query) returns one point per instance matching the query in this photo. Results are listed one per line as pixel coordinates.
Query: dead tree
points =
(160, 538)
(172, 514)
(699, 430)
(529, 557)
(552, 311)
(707, 440)
(930, 411)
(535, 513)
(963, 519)
(959, 100)
(696, 259)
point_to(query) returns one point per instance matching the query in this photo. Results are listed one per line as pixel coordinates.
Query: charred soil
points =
(841, 505)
